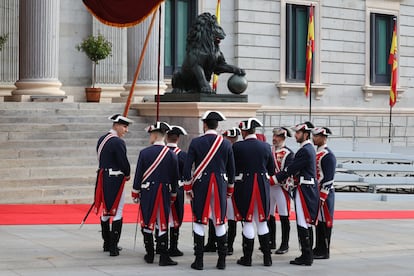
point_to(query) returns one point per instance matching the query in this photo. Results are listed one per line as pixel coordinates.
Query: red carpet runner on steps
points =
(22, 214)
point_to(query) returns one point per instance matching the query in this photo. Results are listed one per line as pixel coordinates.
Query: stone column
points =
(39, 50)
(111, 72)
(146, 85)
(9, 56)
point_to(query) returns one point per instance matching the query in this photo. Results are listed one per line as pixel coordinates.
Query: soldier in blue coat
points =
(177, 208)
(254, 164)
(305, 190)
(325, 173)
(280, 192)
(155, 186)
(209, 185)
(114, 170)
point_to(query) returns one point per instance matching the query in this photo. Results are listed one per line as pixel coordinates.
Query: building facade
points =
(265, 37)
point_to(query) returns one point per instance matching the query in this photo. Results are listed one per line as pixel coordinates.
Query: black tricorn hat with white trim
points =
(118, 118)
(282, 131)
(321, 131)
(213, 115)
(250, 123)
(306, 126)
(177, 130)
(162, 127)
(232, 132)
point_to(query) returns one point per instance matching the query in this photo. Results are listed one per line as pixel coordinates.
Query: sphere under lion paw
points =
(237, 84)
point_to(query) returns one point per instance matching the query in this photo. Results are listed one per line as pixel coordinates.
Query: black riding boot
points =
(307, 256)
(246, 260)
(163, 246)
(319, 242)
(271, 224)
(106, 235)
(157, 249)
(285, 225)
(231, 235)
(211, 240)
(321, 250)
(222, 251)
(173, 250)
(265, 248)
(149, 247)
(198, 252)
(115, 236)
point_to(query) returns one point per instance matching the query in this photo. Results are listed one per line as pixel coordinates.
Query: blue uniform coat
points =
(254, 160)
(109, 188)
(157, 188)
(177, 207)
(325, 172)
(303, 168)
(220, 170)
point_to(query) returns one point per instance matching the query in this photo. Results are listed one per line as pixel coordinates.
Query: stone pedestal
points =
(188, 114)
(200, 97)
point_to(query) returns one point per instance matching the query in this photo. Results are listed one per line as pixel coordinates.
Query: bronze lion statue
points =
(203, 57)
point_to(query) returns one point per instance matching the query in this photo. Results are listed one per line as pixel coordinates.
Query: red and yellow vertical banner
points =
(394, 66)
(215, 77)
(310, 47)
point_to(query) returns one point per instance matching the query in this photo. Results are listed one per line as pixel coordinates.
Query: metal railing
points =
(376, 129)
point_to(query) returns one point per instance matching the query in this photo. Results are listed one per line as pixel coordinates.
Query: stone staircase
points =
(47, 150)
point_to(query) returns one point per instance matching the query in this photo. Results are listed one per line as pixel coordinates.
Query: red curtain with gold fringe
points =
(121, 13)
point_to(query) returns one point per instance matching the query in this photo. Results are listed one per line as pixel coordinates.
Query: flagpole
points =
(310, 100)
(138, 69)
(389, 126)
(159, 64)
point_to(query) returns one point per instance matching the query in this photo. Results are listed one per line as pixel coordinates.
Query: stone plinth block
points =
(188, 114)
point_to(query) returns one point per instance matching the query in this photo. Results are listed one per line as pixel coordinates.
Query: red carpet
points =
(21, 214)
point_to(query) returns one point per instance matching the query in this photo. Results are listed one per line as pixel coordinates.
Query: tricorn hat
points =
(213, 115)
(177, 130)
(162, 127)
(250, 123)
(118, 118)
(321, 131)
(282, 131)
(232, 132)
(306, 126)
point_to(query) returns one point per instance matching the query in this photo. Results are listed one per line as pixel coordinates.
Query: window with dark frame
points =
(297, 18)
(380, 42)
(179, 16)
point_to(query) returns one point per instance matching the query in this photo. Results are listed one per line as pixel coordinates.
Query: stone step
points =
(25, 163)
(48, 150)
(75, 127)
(54, 194)
(48, 172)
(47, 194)
(51, 172)
(38, 182)
(70, 143)
(50, 119)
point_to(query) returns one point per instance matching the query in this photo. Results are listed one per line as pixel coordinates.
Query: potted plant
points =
(96, 48)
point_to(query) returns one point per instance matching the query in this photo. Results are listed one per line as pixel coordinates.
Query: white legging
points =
(300, 216)
(119, 211)
(278, 199)
(248, 227)
(199, 228)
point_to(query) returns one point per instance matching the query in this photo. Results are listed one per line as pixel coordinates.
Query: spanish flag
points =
(310, 47)
(215, 77)
(394, 66)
